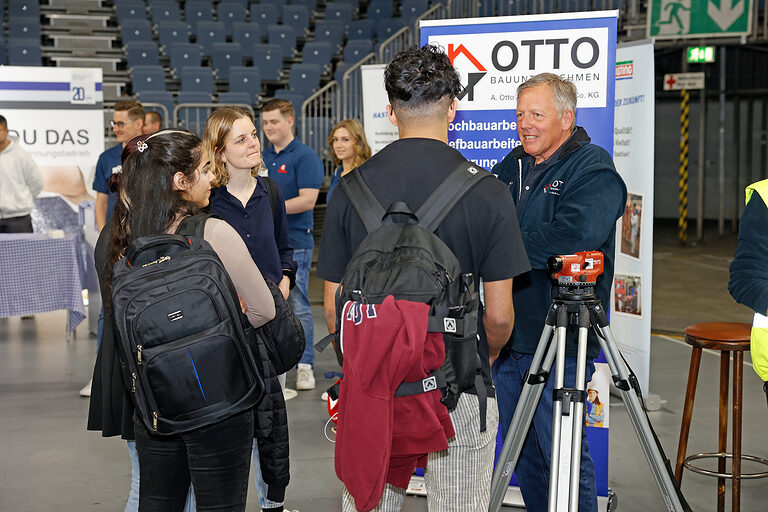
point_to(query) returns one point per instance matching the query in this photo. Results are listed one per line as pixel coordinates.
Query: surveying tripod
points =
(576, 305)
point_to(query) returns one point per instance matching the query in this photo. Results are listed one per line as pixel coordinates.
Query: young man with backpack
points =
(480, 229)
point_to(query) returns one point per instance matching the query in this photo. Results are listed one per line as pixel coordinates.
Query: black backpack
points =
(401, 256)
(181, 332)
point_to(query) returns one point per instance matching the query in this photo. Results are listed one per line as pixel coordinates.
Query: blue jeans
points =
(299, 301)
(533, 466)
(261, 485)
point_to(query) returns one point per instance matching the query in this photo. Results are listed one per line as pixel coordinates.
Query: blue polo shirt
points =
(265, 237)
(109, 163)
(297, 166)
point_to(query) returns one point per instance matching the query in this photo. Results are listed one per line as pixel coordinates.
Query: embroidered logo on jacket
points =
(282, 169)
(554, 188)
(356, 310)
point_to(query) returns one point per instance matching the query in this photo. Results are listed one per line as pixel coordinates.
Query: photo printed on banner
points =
(598, 396)
(627, 295)
(631, 225)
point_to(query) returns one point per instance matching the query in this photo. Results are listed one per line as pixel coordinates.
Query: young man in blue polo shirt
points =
(299, 172)
(127, 123)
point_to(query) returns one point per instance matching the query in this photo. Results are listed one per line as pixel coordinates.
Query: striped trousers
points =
(457, 479)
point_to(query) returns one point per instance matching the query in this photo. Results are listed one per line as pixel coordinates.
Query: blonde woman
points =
(255, 207)
(349, 149)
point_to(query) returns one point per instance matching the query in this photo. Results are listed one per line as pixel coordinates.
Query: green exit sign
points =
(701, 54)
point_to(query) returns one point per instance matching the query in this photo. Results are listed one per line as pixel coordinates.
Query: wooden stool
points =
(726, 337)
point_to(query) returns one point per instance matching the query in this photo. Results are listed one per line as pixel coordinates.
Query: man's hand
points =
(285, 286)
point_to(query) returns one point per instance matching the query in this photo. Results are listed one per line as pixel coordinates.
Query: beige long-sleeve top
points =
(244, 273)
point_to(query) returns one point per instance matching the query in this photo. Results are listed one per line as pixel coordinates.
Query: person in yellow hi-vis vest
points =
(749, 272)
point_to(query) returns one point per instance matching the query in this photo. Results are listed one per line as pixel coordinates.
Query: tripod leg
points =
(637, 416)
(578, 409)
(523, 416)
(558, 494)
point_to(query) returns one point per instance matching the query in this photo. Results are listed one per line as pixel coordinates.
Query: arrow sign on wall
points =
(726, 13)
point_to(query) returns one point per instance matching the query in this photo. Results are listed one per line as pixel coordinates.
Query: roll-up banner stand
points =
(494, 56)
(379, 131)
(633, 155)
(58, 118)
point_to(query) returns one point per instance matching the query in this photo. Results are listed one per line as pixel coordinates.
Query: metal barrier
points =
(398, 41)
(352, 89)
(192, 116)
(436, 12)
(319, 113)
(462, 9)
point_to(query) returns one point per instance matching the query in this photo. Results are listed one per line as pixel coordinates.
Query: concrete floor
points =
(48, 461)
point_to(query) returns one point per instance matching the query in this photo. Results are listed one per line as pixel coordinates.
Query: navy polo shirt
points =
(296, 166)
(265, 237)
(109, 163)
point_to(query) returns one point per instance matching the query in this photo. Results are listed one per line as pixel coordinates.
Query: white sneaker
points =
(305, 379)
(86, 391)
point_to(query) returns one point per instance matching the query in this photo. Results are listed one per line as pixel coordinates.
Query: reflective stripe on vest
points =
(759, 336)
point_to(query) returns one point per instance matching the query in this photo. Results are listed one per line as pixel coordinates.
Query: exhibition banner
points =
(379, 131)
(56, 114)
(633, 155)
(493, 57)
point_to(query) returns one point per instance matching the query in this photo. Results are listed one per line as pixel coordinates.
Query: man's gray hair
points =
(563, 91)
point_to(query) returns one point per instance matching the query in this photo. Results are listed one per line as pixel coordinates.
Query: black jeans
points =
(21, 224)
(216, 458)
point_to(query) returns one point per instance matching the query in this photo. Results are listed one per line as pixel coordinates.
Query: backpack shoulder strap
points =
(194, 225)
(366, 205)
(448, 193)
(272, 191)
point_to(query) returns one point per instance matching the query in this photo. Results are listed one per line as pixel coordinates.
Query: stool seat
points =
(723, 336)
(727, 338)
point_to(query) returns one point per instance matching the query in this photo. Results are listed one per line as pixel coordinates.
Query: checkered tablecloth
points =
(40, 274)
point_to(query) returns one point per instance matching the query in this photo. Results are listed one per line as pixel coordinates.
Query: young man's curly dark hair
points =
(421, 77)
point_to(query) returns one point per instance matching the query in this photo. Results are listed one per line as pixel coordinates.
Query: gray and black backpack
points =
(401, 256)
(187, 348)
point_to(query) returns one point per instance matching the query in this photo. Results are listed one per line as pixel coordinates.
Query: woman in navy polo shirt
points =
(242, 198)
(349, 149)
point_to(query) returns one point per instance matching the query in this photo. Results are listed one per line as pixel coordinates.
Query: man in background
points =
(299, 172)
(20, 183)
(153, 121)
(127, 123)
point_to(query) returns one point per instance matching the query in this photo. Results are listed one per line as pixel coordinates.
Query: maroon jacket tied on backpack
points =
(382, 439)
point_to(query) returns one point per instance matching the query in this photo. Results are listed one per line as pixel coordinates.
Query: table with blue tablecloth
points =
(41, 274)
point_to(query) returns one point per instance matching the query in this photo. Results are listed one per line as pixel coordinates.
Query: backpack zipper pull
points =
(133, 382)
(138, 354)
(154, 421)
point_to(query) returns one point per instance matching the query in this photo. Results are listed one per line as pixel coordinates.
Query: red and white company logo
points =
(472, 78)
(624, 69)
(282, 169)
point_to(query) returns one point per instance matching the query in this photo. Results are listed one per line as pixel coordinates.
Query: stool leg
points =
(685, 426)
(738, 376)
(722, 431)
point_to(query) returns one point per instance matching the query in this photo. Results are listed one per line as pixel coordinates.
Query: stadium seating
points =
(337, 11)
(226, 55)
(148, 78)
(356, 50)
(361, 29)
(283, 36)
(185, 54)
(208, 33)
(136, 30)
(164, 11)
(268, 58)
(229, 13)
(169, 32)
(163, 98)
(304, 79)
(245, 80)
(141, 53)
(296, 16)
(24, 27)
(246, 34)
(330, 32)
(196, 11)
(317, 52)
(381, 9)
(265, 14)
(230, 98)
(128, 10)
(197, 79)
(24, 52)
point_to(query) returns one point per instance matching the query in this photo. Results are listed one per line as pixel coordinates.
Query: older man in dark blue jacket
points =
(568, 197)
